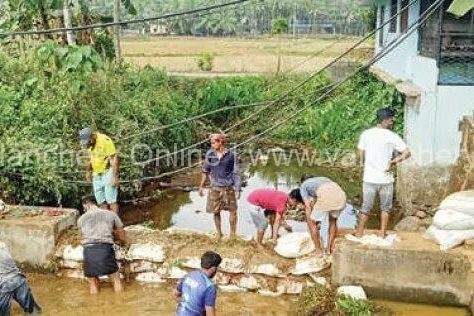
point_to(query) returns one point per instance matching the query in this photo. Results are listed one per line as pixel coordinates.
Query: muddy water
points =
(187, 209)
(70, 297)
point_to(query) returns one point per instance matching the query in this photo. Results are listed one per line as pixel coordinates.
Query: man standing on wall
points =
(13, 285)
(376, 152)
(103, 168)
(221, 165)
(99, 228)
(196, 293)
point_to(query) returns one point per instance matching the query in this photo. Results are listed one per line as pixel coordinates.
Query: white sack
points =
(462, 202)
(448, 239)
(452, 220)
(294, 245)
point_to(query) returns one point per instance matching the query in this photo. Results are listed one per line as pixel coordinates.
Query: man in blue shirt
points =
(196, 293)
(221, 165)
(13, 285)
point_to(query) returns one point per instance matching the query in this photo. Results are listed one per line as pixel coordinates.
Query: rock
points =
(176, 273)
(73, 253)
(409, 224)
(150, 277)
(70, 264)
(421, 214)
(191, 263)
(231, 288)
(150, 252)
(267, 269)
(120, 253)
(143, 266)
(222, 278)
(426, 222)
(247, 282)
(232, 265)
(294, 245)
(318, 279)
(310, 265)
(290, 286)
(356, 292)
(422, 229)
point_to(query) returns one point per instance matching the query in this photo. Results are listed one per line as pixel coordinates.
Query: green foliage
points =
(104, 45)
(280, 26)
(45, 98)
(334, 125)
(352, 307)
(205, 61)
(315, 300)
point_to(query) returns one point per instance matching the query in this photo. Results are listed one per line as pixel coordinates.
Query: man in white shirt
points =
(376, 151)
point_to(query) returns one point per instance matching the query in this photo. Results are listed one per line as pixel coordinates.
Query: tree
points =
(280, 26)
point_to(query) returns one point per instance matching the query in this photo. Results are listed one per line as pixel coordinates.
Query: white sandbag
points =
(269, 269)
(151, 252)
(356, 292)
(462, 202)
(448, 239)
(452, 220)
(374, 240)
(150, 277)
(73, 253)
(311, 265)
(294, 245)
(231, 288)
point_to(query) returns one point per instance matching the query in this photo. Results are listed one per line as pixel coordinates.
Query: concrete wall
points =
(414, 270)
(32, 240)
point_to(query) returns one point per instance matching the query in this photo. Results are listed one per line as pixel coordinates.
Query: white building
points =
(434, 68)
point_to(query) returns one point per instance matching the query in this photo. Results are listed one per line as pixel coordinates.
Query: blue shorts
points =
(103, 189)
(258, 218)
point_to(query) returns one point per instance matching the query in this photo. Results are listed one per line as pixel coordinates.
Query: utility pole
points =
(118, 52)
(295, 20)
(71, 40)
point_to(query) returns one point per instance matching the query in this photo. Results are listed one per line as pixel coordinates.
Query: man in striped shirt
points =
(98, 227)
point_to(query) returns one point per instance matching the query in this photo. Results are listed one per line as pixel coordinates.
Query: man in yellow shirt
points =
(103, 168)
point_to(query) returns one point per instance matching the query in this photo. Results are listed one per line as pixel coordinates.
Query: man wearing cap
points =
(377, 146)
(103, 168)
(221, 165)
(321, 197)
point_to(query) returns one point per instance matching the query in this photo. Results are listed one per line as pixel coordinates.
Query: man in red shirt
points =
(270, 207)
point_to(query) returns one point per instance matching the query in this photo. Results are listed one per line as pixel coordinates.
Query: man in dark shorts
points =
(321, 197)
(221, 165)
(13, 285)
(98, 227)
(196, 293)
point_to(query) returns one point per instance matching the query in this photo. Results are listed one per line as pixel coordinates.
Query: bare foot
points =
(218, 236)
(382, 234)
(317, 253)
(358, 235)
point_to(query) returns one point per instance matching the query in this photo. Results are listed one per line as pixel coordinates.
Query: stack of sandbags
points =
(453, 223)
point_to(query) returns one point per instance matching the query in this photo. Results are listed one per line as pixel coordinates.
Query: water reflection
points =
(186, 210)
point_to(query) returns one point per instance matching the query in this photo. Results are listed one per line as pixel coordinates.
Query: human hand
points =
(237, 195)
(115, 181)
(201, 191)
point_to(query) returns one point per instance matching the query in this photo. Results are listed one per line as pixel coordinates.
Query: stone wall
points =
(154, 256)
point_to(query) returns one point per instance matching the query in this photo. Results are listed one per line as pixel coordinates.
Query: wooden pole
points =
(71, 40)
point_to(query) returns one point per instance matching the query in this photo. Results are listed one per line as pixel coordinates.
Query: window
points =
(393, 12)
(404, 16)
(382, 21)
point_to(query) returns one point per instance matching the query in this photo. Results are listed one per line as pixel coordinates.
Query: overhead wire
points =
(395, 43)
(289, 92)
(122, 23)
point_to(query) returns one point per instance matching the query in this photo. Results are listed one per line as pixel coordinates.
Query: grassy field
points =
(237, 55)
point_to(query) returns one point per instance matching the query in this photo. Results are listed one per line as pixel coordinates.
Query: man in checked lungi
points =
(99, 229)
(221, 165)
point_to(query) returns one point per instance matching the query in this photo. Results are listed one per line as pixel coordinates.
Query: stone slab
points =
(414, 270)
(32, 240)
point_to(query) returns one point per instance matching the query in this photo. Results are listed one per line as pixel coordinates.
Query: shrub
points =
(205, 61)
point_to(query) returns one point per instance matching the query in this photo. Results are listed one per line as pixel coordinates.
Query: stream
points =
(180, 209)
